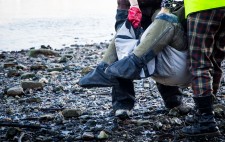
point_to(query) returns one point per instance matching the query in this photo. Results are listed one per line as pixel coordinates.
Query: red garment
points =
(135, 16)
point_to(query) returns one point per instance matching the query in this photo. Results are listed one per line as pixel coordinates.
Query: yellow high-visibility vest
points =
(199, 5)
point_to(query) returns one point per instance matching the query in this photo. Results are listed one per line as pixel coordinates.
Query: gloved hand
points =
(134, 16)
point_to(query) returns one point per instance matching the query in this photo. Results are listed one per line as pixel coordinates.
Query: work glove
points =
(134, 16)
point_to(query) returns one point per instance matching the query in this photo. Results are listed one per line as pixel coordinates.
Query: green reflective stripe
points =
(199, 5)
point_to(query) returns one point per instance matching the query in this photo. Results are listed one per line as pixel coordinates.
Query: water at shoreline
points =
(31, 23)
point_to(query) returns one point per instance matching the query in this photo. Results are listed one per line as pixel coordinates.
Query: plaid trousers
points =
(206, 39)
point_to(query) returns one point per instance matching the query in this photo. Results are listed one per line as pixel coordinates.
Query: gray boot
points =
(165, 30)
(98, 78)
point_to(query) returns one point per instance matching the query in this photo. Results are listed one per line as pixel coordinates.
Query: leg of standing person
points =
(207, 50)
(173, 98)
(123, 95)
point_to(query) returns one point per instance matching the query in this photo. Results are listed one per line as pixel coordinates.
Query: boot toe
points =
(97, 78)
(197, 130)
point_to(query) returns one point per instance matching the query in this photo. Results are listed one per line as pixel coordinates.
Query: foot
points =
(192, 117)
(97, 78)
(129, 67)
(205, 125)
(196, 130)
(123, 114)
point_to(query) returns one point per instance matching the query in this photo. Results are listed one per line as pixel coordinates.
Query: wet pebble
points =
(15, 91)
(68, 113)
(31, 85)
(88, 136)
(51, 97)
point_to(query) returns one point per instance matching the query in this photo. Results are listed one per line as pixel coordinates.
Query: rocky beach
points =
(42, 102)
(46, 46)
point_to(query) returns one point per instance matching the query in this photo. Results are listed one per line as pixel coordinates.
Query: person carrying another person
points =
(166, 30)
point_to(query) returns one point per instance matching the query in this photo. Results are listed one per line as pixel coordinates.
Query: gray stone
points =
(21, 66)
(55, 69)
(31, 85)
(15, 91)
(158, 125)
(176, 120)
(9, 64)
(67, 113)
(103, 135)
(13, 72)
(27, 75)
(47, 117)
(38, 67)
(88, 136)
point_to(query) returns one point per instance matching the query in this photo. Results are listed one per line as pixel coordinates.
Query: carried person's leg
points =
(165, 30)
(97, 77)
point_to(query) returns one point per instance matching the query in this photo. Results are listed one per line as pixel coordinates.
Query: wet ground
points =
(41, 102)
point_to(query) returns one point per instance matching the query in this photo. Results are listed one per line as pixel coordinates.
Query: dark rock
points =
(9, 64)
(88, 136)
(12, 132)
(68, 113)
(12, 73)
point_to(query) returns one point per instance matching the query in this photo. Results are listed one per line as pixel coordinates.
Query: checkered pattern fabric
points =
(206, 38)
